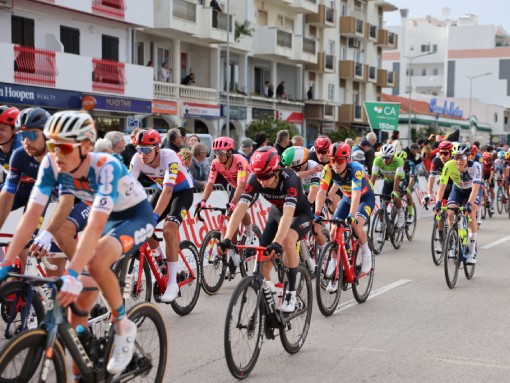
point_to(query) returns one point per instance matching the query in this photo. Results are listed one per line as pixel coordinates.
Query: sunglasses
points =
(220, 153)
(64, 148)
(386, 158)
(264, 177)
(459, 157)
(444, 153)
(32, 136)
(144, 149)
(338, 160)
(322, 151)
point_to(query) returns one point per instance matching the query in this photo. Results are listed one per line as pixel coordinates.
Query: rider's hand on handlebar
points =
(395, 195)
(199, 206)
(231, 206)
(425, 200)
(408, 191)
(437, 207)
(317, 217)
(275, 248)
(468, 207)
(351, 219)
(42, 244)
(5, 268)
(156, 218)
(225, 244)
(71, 288)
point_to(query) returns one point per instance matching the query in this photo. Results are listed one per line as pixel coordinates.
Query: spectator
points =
(174, 140)
(309, 94)
(270, 90)
(377, 148)
(413, 152)
(118, 143)
(265, 89)
(130, 149)
(103, 146)
(216, 9)
(192, 140)
(280, 91)
(349, 141)
(186, 157)
(189, 79)
(298, 141)
(246, 148)
(282, 141)
(260, 140)
(199, 168)
(395, 141)
(372, 138)
(149, 63)
(368, 150)
(165, 74)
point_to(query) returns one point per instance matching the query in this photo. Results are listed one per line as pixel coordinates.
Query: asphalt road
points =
(415, 330)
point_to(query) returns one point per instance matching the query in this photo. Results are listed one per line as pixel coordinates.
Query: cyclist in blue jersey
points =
(8, 140)
(119, 223)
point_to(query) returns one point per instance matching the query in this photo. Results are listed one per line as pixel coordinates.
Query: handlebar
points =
(222, 210)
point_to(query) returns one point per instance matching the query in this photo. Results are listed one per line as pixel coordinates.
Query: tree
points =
(342, 133)
(242, 30)
(270, 126)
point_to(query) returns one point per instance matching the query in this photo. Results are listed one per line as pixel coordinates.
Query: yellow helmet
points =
(507, 155)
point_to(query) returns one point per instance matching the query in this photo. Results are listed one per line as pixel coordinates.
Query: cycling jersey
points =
(390, 171)
(311, 179)
(108, 186)
(6, 157)
(436, 167)
(499, 166)
(171, 171)
(473, 174)
(410, 172)
(355, 178)
(22, 173)
(236, 174)
(487, 169)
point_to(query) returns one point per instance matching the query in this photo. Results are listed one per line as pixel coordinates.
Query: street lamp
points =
(410, 68)
(471, 88)
(227, 106)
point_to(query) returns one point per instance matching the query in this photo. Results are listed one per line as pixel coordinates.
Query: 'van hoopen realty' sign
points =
(382, 115)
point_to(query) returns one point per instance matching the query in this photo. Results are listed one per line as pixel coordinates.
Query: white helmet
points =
(387, 150)
(71, 125)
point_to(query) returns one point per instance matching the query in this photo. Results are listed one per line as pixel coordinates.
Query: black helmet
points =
(32, 118)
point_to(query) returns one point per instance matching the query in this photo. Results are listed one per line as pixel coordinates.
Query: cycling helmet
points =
(387, 150)
(445, 145)
(264, 160)
(32, 118)
(8, 115)
(340, 150)
(71, 125)
(474, 150)
(322, 143)
(147, 137)
(402, 154)
(223, 143)
(295, 156)
(507, 155)
(487, 157)
(455, 147)
(501, 154)
(464, 149)
(358, 155)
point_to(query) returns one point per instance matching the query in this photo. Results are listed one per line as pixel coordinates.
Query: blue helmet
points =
(32, 118)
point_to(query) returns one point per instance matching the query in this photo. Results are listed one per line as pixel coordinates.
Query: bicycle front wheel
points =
(363, 282)
(411, 226)
(248, 257)
(22, 360)
(328, 287)
(213, 268)
(141, 290)
(436, 244)
(499, 200)
(378, 231)
(397, 234)
(451, 256)
(189, 275)
(294, 333)
(243, 335)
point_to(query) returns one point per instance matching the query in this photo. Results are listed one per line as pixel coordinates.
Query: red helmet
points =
(474, 150)
(340, 150)
(445, 145)
(8, 115)
(264, 160)
(487, 156)
(322, 143)
(223, 143)
(147, 137)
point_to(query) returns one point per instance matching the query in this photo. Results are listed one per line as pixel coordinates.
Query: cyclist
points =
(289, 217)
(171, 202)
(500, 165)
(8, 139)
(474, 154)
(392, 169)
(408, 184)
(467, 178)
(488, 170)
(358, 198)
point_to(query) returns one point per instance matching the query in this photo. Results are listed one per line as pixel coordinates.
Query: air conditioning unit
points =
(354, 43)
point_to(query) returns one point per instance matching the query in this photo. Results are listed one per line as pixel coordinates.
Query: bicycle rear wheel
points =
(213, 268)
(190, 277)
(293, 335)
(243, 334)
(499, 200)
(248, 258)
(22, 359)
(327, 301)
(378, 231)
(451, 256)
(363, 282)
(411, 227)
(483, 213)
(436, 243)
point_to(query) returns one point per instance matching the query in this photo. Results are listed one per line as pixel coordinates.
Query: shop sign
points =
(43, 97)
(193, 110)
(121, 104)
(236, 112)
(258, 114)
(164, 107)
(289, 116)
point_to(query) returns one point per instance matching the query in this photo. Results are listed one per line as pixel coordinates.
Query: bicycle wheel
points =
(248, 257)
(188, 278)
(483, 212)
(378, 231)
(328, 300)
(451, 257)
(243, 334)
(363, 282)
(411, 226)
(213, 268)
(397, 234)
(469, 269)
(16, 316)
(436, 244)
(293, 335)
(141, 290)
(499, 200)
(21, 360)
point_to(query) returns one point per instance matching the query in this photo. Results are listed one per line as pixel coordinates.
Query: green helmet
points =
(402, 154)
(295, 156)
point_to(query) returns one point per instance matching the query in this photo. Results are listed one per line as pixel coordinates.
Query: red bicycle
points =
(340, 265)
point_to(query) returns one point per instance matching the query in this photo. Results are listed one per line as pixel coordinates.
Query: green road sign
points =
(382, 115)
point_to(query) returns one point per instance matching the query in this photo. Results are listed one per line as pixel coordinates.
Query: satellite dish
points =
(446, 12)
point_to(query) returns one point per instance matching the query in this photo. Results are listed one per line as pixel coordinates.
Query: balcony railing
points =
(308, 45)
(108, 76)
(109, 8)
(34, 66)
(166, 91)
(185, 10)
(220, 21)
(284, 39)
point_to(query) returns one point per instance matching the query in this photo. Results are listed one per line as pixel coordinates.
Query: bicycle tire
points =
(361, 291)
(29, 349)
(247, 259)
(141, 291)
(304, 303)
(411, 227)
(469, 270)
(436, 258)
(13, 296)
(255, 320)
(213, 268)
(499, 200)
(397, 234)
(483, 213)
(191, 290)
(378, 234)
(328, 306)
(451, 250)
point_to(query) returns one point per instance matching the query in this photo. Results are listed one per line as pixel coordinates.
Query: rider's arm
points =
(238, 193)
(430, 186)
(312, 193)
(208, 190)
(326, 179)
(6, 203)
(443, 181)
(64, 207)
(375, 170)
(477, 181)
(284, 225)
(355, 197)
(356, 187)
(11, 186)
(399, 173)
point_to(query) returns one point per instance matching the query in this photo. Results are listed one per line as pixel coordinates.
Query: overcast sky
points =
(489, 11)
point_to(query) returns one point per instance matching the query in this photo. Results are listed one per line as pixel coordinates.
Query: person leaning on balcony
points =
(309, 94)
(270, 90)
(165, 74)
(265, 89)
(188, 80)
(216, 8)
(280, 91)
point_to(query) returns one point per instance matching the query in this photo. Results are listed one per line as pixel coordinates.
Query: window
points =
(331, 92)
(313, 31)
(425, 48)
(435, 71)
(424, 72)
(110, 48)
(289, 25)
(506, 120)
(434, 48)
(70, 39)
(332, 47)
(262, 17)
(140, 59)
(22, 30)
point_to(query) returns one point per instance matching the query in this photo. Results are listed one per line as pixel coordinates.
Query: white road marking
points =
(373, 294)
(496, 243)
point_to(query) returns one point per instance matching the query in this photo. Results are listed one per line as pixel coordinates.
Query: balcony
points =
(305, 50)
(180, 16)
(34, 66)
(325, 18)
(350, 70)
(305, 6)
(385, 78)
(114, 9)
(213, 26)
(325, 64)
(349, 113)
(274, 43)
(387, 39)
(320, 110)
(352, 27)
(168, 91)
(108, 76)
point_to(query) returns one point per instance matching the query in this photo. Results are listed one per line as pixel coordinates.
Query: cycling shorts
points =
(300, 224)
(366, 205)
(485, 177)
(178, 206)
(460, 196)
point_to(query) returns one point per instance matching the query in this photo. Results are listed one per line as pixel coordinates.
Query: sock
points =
(410, 210)
(172, 272)
(472, 242)
(292, 278)
(119, 313)
(364, 248)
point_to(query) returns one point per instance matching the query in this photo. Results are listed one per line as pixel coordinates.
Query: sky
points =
(488, 11)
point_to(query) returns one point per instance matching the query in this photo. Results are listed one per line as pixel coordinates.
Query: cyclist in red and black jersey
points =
(488, 170)
(289, 217)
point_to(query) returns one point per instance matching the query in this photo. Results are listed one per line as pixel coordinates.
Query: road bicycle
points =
(252, 315)
(384, 225)
(485, 208)
(214, 264)
(38, 354)
(344, 251)
(455, 248)
(438, 235)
